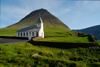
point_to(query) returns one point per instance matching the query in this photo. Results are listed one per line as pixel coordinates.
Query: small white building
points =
(31, 31)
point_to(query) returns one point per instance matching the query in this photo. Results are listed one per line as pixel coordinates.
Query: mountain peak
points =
(49, 20)
(39, 11)
(42, 9)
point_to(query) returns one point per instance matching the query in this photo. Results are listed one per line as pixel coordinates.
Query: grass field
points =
(47, 32)
(70, 39)
(28, 55)
(5, 32)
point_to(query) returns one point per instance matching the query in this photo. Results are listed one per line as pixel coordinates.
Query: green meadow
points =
(48, 32)
(28, 55)
(7, 32)
(69, 39)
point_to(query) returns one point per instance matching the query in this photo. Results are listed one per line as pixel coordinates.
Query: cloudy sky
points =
(75, 14)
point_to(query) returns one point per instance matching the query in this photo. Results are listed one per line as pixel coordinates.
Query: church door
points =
(36, 34)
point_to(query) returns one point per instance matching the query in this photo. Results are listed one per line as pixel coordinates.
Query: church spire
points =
(39, 21)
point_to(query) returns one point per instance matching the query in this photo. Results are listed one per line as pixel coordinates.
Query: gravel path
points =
(11, 41)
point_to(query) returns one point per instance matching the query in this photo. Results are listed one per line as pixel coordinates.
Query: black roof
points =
(28, 29)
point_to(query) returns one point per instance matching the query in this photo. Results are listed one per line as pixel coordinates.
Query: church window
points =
(29, 33)
(26, 33)
(21, 34)
(37, 34)
(18, 34)
(32, 33)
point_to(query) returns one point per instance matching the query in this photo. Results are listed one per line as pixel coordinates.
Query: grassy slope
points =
(26, 54)
(49, 30)
(52, 25)
(94, 30)
(7, 32)
(66, 39)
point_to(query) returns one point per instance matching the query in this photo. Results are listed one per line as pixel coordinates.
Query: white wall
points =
(16, 34)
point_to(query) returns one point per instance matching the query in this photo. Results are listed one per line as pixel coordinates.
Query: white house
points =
(31, 31)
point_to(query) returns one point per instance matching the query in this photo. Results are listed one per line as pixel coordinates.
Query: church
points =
(31, 31)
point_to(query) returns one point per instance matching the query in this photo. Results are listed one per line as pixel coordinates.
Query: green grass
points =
(47, 32)
(49, 29)
(70, 39)
(26, 55)
(53, 32)
(7, 32)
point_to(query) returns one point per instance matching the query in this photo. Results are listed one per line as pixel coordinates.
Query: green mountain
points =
(94, 30)
(52, 25)
(50, 21)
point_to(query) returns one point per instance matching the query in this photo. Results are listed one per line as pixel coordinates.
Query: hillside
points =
(28, 55)
(94, 30)
(50, 21)
(52, 25)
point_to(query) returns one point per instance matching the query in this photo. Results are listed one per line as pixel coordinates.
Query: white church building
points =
(31, 31)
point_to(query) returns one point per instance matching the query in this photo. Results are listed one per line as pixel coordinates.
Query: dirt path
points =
(11, 41)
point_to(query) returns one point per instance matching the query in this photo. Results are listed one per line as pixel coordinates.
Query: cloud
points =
(89, 5)
(70, 12)
(13, 13)
(66, 10)
(82, 14)
(2, 26)
(36, 4)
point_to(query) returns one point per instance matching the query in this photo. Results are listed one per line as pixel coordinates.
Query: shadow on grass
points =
(63, 45)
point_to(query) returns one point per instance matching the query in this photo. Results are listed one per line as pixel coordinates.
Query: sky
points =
(76, 14)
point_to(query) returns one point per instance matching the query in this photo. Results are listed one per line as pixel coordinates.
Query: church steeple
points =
(40, 25)
(39, 22)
